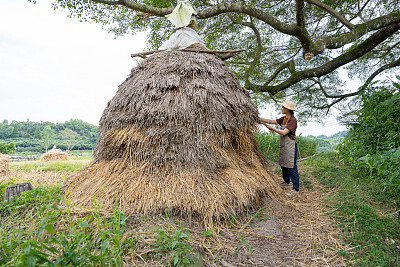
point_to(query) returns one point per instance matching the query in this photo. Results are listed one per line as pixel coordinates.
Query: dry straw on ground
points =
(177, 137)
(4, 165)
(54, 154)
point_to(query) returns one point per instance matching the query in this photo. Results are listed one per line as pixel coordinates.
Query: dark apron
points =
(286, 150)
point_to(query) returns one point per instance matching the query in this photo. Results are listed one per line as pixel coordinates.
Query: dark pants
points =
(292, 173)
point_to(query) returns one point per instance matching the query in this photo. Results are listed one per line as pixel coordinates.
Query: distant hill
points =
(325, 143)
(29, 136)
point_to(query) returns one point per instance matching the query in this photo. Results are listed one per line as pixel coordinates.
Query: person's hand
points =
(269, 127)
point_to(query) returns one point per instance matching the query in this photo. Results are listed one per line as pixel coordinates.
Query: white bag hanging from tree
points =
(184, 18)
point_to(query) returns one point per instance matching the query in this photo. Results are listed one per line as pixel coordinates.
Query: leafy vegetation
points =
(372, 146)
(175, 245)
(7, 148)
(39, 136)
(368, 224)
(46, 235)
(50, 236)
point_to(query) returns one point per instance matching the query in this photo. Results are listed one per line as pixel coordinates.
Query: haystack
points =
(4, 165)
(54, 154)
(176, 137)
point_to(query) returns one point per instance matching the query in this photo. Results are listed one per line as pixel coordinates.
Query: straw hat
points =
(288, 104)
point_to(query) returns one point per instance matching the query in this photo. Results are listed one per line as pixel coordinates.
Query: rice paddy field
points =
(39, 229)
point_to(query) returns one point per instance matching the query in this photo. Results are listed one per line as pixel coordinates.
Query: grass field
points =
(369, 224)
(38, 229)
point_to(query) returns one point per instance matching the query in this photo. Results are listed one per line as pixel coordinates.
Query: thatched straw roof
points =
(4, 165)
(177, 136)
(54, 154)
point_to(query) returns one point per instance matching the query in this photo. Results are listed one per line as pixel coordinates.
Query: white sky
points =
(54, 68)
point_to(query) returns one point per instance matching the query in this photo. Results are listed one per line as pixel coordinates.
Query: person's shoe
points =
(293, 193)
(284, 184)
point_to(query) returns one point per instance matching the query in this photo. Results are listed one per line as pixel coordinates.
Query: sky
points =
(54, 68)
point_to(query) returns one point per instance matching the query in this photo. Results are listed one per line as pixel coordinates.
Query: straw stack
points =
(54, 154)
(176, 137)
(4, 165)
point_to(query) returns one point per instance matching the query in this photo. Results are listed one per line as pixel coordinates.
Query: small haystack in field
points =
(4, 165)
(176, 137)
(54, 154)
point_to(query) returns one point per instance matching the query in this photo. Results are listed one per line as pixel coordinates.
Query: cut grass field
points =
(71, 165)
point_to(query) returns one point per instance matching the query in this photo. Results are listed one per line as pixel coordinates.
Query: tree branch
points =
(249, 10)
(339, 98)
(336, 42)
(302, 33)
(290, 65)
(300, 13)
(257, 55)
(156, 11)
(353, 54)
(298, 30)
(333, 12)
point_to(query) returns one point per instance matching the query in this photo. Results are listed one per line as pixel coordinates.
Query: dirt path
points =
(297, 232)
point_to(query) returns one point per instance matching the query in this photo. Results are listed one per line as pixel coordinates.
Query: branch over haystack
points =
(289, 44)
(177, 136)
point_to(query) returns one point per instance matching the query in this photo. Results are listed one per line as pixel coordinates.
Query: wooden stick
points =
(146, 53)
(143, 54)
(214, 51)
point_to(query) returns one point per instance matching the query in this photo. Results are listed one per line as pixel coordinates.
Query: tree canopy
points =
(294, 48)
(29, 136)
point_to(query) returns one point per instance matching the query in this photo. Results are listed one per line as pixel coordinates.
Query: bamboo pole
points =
(143, 54)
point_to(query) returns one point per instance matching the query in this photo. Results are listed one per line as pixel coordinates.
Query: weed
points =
(174, 246)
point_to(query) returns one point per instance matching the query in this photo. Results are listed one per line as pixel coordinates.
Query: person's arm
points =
(263, 121)
(281, 132)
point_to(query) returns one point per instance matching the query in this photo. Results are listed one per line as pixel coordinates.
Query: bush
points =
(372, 145)
(7, 148)
(383, 170)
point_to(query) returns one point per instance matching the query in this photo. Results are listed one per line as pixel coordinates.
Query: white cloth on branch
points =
(181, 39)
(182, 14)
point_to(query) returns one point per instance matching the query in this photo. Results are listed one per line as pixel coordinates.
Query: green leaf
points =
(176, 260)
(50, 228)
(104, 245)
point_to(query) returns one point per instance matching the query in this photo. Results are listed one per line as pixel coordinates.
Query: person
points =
(287, 144)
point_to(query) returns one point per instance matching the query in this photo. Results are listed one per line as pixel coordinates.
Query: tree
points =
(69, 138)
(48, 136)
(294, 48)
(7, 148)
(15, 132)
(37, 134)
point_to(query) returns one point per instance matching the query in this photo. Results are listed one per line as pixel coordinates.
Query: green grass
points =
(35, 231)
(269, 145)
(374, 237)
(54, 166)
